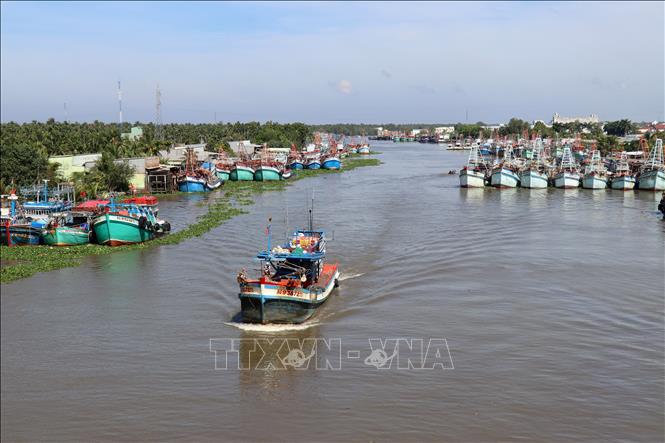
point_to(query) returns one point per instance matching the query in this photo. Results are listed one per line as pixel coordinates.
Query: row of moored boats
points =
(57, 222)
(264, 165)
(540, 170)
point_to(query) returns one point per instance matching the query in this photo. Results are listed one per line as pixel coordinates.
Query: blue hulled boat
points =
(294, 280)
(331, 162)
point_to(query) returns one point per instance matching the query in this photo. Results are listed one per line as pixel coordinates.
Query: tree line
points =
(25, 148)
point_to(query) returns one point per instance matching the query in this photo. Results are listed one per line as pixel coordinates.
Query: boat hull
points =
(567, 180)
(594, 182)
(267, 303)
(332, 163)
(471, 179)
(222, 174)
(20, 235)
(192, 184)
(315, 164)
(116, 230)
(297, 165)
(266, 173)
(623, 183)
(504, 178)
(66, 236)
(364, 150)
(652, 181)
(533, 180)
(241, 173)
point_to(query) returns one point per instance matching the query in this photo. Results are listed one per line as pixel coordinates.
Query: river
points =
(550, 303)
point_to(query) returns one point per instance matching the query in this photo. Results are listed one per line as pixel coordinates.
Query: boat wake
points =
(350, 276)
(273, 328)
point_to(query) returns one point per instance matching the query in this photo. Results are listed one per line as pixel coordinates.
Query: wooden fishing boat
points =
(504, 173)
(294, 280)
(266, 172)
(66, 235)
(313, 161)
(652, 173)
(194, 178)
(595, 175)
(267, 169)
(473, 175)
(127, 224)
(622, 179)
(567, 175)
(17, 229)
(534, 174)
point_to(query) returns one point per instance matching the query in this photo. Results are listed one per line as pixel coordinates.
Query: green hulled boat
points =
(115, 229)
(266, 173)
(241, 173)
(66, 236)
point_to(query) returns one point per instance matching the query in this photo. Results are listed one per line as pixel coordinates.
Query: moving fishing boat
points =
(595, 175)
(504, 174)
(474, 174)
(622, 179)
(652, 173)
(534, 175)
(126, 224)
(294, 280)
(567, 175)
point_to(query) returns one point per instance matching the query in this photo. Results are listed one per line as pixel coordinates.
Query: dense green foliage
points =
(25, 148)
(619, 128)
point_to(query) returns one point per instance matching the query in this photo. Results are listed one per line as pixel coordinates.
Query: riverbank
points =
(21, 262)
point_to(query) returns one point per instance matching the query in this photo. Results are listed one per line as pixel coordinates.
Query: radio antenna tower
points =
(119, 108)
(159, 135)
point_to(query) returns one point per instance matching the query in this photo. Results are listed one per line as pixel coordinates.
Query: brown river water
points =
(545, 309)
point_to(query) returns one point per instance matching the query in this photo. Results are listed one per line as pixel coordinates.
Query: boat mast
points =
(655, 159)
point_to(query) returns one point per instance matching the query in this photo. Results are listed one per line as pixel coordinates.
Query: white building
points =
(444, 130)
(593, 118)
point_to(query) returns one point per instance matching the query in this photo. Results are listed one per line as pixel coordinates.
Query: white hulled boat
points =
(567, 175)
(504, 174)
(652, 173)
(595, 175)
(473, 175)
(622, 179)
(534, 175)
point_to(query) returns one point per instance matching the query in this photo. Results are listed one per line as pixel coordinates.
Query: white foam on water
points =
(350, 276)
(273, 328)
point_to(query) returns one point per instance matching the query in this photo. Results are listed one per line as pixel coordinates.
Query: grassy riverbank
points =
(22, 262)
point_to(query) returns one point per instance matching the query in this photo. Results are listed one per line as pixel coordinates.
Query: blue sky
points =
(333, 62)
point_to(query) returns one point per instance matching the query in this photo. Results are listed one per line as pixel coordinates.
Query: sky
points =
(327, 62)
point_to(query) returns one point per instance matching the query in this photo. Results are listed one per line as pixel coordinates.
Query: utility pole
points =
(65, 106)
(119, 108)
(159, 135)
